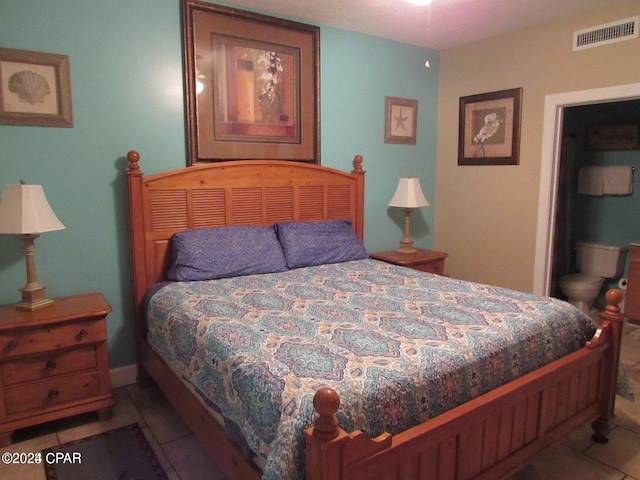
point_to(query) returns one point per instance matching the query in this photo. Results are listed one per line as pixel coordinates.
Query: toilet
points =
(595, 262)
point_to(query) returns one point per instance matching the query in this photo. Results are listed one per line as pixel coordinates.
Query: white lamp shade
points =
(24, 209)
(409, 194)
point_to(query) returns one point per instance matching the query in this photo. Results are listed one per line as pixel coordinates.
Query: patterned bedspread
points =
(400, 346)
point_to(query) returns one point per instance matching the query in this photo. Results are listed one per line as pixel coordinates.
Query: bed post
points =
(611, 316)
(329, 448)
(359, 173)
(136, 236)
(325, 429)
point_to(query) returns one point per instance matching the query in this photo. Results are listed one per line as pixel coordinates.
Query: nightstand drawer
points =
(431, 267)
(29, 341)
(45, 394)
(48, 365)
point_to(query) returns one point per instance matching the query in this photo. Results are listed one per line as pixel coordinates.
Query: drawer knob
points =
(12, 344)
(50, 365)
(83, 333)
(53, 393)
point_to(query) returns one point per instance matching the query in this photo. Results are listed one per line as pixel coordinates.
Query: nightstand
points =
(54, 362)
(423, 260)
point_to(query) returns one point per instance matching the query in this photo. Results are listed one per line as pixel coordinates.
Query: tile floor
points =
(574, 458)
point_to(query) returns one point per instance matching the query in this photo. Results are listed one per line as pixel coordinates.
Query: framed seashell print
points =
(35, 89)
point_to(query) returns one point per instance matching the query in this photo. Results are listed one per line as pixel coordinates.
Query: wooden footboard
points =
(489, 437)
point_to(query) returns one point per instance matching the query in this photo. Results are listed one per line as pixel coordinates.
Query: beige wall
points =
(486, 216)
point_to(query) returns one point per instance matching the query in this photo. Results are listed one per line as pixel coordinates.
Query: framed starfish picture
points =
(400, 120)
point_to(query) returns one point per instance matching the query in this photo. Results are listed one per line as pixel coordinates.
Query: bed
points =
(489, 432)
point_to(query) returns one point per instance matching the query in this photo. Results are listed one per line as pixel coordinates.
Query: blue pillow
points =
(315, 243)
(210, 253)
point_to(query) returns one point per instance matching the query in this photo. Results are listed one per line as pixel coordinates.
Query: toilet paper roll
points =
(622, 285)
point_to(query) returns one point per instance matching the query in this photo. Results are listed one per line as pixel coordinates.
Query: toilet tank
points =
(602, 260)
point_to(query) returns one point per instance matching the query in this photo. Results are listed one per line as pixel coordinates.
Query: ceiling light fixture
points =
(423, 3)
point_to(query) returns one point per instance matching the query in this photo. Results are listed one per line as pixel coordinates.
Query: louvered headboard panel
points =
(250, 192)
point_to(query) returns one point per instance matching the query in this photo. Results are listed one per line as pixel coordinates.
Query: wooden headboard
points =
(247, 192)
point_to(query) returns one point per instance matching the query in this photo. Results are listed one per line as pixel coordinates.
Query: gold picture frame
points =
(35, 89)
(252, 85)
(400, 120)
(489, 128)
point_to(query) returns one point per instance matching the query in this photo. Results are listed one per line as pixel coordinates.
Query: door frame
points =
(554, 106)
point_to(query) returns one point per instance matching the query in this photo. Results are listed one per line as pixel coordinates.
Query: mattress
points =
(400, 346)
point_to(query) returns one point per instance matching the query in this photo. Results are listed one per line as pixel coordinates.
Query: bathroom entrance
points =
(585, 212)
(564, 143)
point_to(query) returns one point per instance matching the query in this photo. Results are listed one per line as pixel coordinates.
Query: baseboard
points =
(123, 376)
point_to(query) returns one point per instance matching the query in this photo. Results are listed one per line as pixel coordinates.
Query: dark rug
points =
(120, 454)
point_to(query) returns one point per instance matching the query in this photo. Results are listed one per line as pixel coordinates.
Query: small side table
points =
(424, 260)
(54, 362)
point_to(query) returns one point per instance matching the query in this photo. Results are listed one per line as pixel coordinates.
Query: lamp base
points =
(32, 293)
(406, 247)
(33, 299)
(31, 306)
(406, 244)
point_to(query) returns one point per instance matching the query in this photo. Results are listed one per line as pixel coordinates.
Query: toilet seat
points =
(584, 278)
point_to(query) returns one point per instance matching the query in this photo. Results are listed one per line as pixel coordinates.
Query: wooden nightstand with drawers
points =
(54, 362)
(424, 260)
(632, 300)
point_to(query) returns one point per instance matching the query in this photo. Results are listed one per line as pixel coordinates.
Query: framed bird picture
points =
(489, 128)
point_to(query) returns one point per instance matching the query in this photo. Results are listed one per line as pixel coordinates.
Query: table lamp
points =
(24, 211)
(408, 196)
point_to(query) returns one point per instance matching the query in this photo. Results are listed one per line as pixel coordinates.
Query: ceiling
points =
(444, 24)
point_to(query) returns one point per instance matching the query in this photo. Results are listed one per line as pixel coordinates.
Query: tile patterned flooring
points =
(574, 458)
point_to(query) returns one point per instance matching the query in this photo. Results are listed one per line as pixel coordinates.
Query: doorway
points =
(550, 169)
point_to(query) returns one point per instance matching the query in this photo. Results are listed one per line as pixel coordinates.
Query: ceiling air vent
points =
(626, 29)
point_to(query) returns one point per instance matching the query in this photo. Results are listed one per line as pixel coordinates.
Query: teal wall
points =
(126, 82)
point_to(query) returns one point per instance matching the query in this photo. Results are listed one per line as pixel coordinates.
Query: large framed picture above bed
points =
(252, 85)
